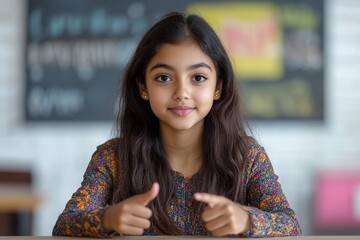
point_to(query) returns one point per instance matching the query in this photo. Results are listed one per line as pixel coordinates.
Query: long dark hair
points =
(141, 154)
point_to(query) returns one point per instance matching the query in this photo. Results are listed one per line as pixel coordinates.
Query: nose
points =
(181, 91)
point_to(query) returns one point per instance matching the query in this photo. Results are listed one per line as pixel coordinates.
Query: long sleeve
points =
(269, 210)
(83, 213)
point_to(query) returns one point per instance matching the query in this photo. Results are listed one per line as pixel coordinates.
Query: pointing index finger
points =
(209, 199)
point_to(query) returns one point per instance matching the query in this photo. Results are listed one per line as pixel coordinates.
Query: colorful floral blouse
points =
(269, 211)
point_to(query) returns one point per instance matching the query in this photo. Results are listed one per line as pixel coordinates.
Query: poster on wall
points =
(76, 53)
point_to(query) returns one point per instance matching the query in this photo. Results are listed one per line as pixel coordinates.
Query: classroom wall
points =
(58, 153)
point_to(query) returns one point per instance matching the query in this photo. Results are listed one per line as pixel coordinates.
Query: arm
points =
(83, 213)
(269, 211)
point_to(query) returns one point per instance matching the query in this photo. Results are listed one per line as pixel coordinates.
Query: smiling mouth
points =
(181, 110)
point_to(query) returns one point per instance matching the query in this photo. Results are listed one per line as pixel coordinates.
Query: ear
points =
(143, 91)
(217, 93)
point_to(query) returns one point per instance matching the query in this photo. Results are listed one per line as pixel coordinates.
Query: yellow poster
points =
(251, 35)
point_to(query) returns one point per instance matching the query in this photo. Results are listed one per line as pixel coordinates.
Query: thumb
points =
(145, 198)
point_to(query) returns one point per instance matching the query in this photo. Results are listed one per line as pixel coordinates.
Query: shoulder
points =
(107, 151)
(105, 156)
(254, 149)
(256, 157)
(111, 144)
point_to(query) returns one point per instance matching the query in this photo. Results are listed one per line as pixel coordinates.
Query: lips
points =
(181, 110)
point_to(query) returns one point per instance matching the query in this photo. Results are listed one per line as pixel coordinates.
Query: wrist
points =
(106, 219)
(247, 220)
(247, 223)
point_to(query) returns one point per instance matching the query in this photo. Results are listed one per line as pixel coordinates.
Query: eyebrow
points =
(192, 67)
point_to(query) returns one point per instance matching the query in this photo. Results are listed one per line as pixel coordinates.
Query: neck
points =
(184, 150)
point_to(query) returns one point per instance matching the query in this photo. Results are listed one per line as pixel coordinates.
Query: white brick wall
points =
(59, 153)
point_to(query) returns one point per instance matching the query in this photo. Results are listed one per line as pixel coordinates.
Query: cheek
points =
(157, 101)
(205, 95)
(205, 98)
(157, 95)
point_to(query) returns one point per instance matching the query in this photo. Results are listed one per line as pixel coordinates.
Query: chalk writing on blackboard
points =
(75, 57)
(44, 102)
(76, 53)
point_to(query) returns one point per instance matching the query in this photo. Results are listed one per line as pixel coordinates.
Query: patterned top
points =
(269, 211)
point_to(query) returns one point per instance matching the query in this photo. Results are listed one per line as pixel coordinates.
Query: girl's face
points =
(181, 85)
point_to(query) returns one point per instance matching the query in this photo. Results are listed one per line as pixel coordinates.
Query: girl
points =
(182, 163)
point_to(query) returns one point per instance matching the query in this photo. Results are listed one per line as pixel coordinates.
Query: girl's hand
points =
(131, 216)
(222, 216)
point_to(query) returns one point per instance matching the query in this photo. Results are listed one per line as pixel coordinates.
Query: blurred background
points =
(298, 63)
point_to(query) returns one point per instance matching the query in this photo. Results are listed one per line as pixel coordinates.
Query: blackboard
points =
(76, 52)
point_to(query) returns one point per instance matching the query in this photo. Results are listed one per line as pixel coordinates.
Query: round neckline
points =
(188, 178)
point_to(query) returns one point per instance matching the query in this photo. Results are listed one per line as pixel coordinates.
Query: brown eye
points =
(199, 78)
(163, 78)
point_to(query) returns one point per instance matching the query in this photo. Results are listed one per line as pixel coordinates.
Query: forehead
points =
(180, 55)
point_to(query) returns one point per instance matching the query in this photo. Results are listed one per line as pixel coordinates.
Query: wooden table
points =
(17, 202)
(17, 198)
(189, 237)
